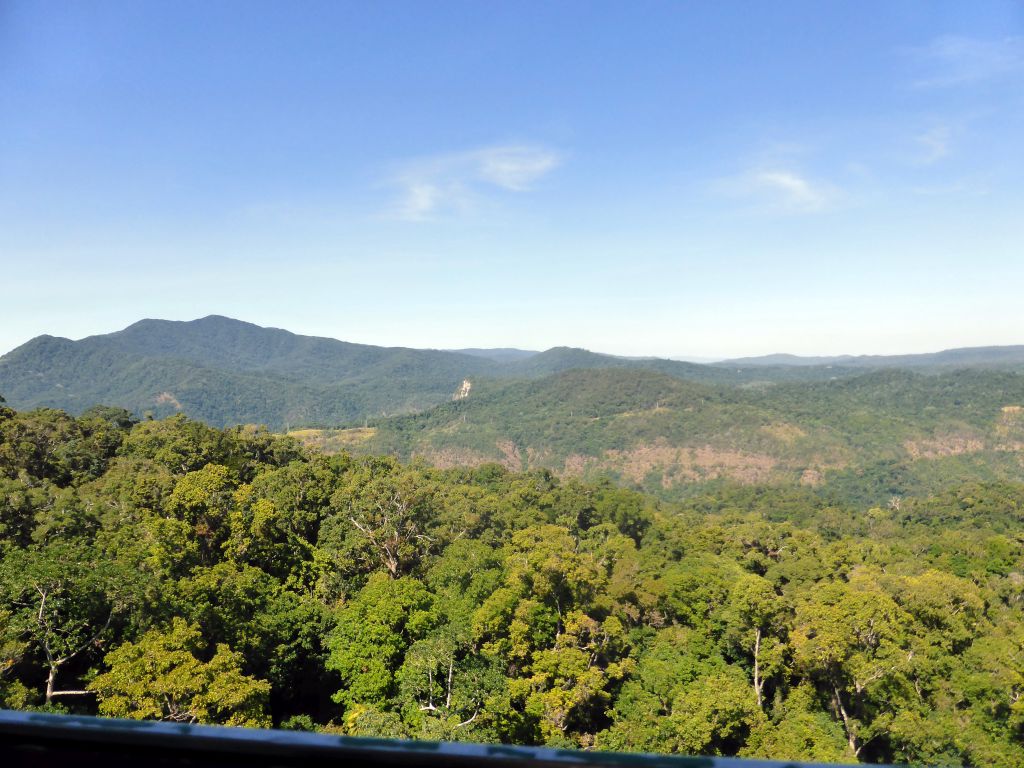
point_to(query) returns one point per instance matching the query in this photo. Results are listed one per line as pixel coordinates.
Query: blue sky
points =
(677, 179)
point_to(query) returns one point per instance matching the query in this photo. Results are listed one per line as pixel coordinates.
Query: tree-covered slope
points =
(879, 434)
(165, 570)
(226, 371)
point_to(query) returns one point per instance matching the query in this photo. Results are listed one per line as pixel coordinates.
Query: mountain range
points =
(964, 357)
(865, 427)
(226, 371)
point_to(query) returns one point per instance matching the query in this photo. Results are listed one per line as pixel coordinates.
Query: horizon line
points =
(675, 357)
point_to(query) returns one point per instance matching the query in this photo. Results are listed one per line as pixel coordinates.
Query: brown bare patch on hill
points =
(576, 464)
(449, 458)
(644, 412)
(333, 440)
(690, 463)
(512, 459)
(166, 398)
(946, 445)
(1010, 428)
(538, 457)
(636, 463)
(811, 477)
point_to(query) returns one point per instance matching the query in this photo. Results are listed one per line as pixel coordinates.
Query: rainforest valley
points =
(165, 569)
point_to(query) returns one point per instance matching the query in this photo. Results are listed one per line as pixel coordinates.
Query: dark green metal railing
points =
(34, 739)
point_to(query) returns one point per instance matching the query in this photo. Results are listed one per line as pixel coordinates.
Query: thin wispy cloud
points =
(780, 190)
(935, 144)
(453, 183)
(951, 60)
(797, 191)
(978, 187)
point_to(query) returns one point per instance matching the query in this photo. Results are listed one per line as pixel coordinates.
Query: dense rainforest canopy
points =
(168, 570)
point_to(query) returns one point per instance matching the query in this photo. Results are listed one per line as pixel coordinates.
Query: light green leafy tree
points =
(568, 684)
(799, 730)
(755, 619)
(62, 601)
(714, 715)
(852, 637)
(384, 520)
(163, 677)
(373, 633)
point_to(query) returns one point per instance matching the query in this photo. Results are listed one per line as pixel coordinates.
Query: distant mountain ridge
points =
(498, 354)
(225, 371)
(994, 357)
(228, 371)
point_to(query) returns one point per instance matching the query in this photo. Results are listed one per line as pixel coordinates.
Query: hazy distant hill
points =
(559, 359)
(500, 354)
(226, 371)
(975, 357)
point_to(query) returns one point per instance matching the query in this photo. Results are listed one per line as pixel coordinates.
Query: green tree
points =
(755, 620)
(714, 715)
(63, 600)
(202, 500)
(853, 639)
(799, 730)
(568, 686)
(163, 677)
(279, 633)
(384, 519)
(373, 633)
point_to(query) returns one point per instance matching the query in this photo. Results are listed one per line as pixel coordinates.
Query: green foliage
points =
(864, 439)
(62, 603)
(161, 678)
(373, 633)
(799, 730)
(168, 570)
(227, 372)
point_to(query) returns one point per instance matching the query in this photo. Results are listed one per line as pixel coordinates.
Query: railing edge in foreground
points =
(60, 735)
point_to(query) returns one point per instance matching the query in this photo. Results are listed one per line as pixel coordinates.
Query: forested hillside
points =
(169, 570)
(866, 438)
(227, 372)
(661, 426)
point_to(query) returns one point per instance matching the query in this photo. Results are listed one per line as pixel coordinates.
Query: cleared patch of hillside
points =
(333, 440)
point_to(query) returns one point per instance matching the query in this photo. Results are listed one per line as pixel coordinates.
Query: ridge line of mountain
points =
(227, 371)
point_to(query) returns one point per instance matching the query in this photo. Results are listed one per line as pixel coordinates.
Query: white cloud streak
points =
(780, 190)
(797, 191)
(951, 60)
(453, 183)
(935, 144)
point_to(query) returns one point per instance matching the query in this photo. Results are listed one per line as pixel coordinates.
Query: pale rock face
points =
(166, 398)
(463, 392)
